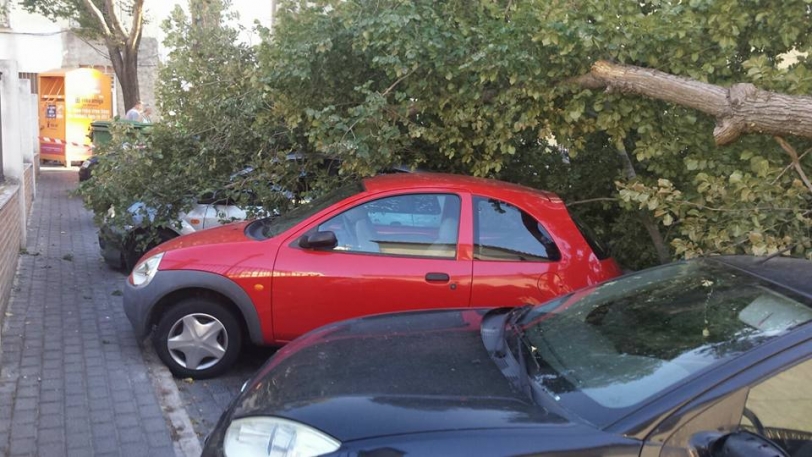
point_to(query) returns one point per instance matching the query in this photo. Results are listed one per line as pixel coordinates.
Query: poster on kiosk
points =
(69, 100)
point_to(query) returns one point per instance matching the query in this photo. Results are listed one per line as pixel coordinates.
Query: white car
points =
(122, 248)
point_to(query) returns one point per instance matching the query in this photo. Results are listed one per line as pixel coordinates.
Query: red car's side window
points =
(423, 225)
(505, 232)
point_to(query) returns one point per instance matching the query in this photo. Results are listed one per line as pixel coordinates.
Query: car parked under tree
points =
(389, 243)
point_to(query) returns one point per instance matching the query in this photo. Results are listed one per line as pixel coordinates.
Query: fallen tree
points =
(739, 109)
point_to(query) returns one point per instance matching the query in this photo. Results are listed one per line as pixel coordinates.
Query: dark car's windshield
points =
(602, 350)
(276, 225)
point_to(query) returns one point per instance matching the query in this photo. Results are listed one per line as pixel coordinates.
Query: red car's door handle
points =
(437, 277)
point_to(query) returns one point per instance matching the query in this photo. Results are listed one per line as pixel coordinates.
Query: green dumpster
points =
(100, 130)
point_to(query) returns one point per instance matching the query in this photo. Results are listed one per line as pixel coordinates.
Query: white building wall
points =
(31, 40)
(38, 44)
(13, 127)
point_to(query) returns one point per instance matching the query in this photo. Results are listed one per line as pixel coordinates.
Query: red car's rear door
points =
(396, 252)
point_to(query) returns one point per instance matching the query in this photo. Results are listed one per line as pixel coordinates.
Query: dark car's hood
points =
(414, 372)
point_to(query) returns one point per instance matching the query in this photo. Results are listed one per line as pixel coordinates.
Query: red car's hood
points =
(228, 233)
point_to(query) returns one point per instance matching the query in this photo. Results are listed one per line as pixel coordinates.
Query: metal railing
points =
(32, 80)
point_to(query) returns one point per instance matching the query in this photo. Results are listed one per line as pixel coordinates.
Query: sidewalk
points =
(73, 380)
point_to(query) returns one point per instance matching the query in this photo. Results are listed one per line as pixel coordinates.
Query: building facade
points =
(38, 44)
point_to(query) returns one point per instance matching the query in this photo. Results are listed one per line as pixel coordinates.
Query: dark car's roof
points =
(425, 179)
(792, 273)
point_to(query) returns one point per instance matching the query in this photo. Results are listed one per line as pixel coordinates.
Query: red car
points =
(388, 243)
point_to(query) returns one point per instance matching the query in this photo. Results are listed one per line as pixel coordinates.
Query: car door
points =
(219, 214)
(514, 257)
(223, 209)
(197, 215)
(396, 252)
(780, 409)
(771, 399)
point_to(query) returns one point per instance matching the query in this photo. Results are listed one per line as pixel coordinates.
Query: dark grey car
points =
(710, 357)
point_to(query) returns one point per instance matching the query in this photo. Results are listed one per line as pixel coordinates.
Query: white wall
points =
(15, 130)
(34, 42)
(38, 44)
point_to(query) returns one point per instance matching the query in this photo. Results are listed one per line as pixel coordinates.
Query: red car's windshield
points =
(273, 226)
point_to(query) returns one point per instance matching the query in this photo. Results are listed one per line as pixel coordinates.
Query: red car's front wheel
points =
(198, 338)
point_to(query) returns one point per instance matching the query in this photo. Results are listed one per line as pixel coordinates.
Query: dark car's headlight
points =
(144, 272)
(275, 437)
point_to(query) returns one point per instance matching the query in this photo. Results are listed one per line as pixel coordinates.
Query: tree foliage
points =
(491, 88)
(206, 140)
(474, 82)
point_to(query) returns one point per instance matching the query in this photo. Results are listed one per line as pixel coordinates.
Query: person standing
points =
(146, 116)
(134, 114)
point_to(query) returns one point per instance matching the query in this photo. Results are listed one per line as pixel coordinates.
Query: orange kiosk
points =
(69, 100)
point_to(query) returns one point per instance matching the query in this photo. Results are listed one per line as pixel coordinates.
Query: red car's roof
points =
(396, 181)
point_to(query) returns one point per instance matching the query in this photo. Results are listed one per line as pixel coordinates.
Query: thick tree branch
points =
(739, 109)
(134, 40)
(592, 200)
(99, 16)
(113, 19)
(796, 162)
(663, 254)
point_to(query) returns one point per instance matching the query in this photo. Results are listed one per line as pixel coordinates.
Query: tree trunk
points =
(131, 91)
(122, 46)
(126, 67)
(663, 254)
(739, 109)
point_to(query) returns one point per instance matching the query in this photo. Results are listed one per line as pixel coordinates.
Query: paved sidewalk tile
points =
(73, 380)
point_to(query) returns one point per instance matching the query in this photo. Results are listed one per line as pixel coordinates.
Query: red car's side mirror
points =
(319, 240)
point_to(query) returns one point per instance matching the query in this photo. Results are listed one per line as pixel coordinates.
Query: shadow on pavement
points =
(205, 400)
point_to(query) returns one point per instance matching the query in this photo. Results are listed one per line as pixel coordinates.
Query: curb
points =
(180, 426)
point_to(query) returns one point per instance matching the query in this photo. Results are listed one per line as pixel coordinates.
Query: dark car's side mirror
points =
(744, 444)
(319, 240)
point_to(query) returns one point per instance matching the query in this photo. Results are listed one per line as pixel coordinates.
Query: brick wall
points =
(29, 186)
(9, 240)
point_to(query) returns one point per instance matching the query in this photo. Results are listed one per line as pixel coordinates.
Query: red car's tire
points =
(198, 338)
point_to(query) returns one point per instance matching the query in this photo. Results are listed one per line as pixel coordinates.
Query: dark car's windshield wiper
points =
(498, 340)
(524, 378)
(510, 319)
(527, 382)
(502, 346)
